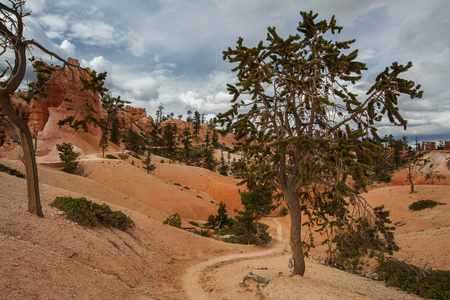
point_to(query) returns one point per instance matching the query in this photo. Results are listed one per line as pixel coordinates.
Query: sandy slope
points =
(53, 258)
(221, 188)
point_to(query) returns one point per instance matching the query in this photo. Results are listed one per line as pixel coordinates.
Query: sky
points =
(169, 52)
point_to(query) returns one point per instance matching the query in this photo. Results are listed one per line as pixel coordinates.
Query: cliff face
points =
(130, 115)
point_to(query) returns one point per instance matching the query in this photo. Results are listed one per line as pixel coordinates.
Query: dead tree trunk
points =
(12, 39)
(34, 203)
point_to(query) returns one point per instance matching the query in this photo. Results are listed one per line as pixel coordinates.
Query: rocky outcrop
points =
(66, 97)
(130, 115)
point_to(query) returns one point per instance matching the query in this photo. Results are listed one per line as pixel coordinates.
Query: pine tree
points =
(305, 130)
(196, 123)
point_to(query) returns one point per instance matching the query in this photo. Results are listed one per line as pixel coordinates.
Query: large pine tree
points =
(304, 127)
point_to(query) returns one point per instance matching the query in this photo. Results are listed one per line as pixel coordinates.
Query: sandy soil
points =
(54, 258)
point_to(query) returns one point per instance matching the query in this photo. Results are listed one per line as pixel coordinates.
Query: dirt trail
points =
(192, 282)
(219, 278)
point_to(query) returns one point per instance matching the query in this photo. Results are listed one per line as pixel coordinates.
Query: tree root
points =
(258, 279)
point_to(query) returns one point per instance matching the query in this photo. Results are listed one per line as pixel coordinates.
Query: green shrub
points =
(110, 156)
(10, 171)
(194, 223)
(428, 284)
(202, 233)
(173, 220)
(422, 204)
(242, 234)
(87, 213)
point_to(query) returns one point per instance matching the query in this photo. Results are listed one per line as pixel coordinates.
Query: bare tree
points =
(14, 44)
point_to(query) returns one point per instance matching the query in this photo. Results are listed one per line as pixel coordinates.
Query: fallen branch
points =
(259, 279)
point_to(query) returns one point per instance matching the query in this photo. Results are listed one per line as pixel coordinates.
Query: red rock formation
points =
(44, 113)
(130, 115)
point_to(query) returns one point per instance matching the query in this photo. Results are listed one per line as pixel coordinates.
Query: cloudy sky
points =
(169, 52)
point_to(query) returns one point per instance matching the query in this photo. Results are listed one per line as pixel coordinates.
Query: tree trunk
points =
(295, 240)
(410, 178)
(258, 232)
(34, 202)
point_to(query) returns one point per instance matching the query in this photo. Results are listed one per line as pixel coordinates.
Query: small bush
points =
(87, 213)
(10, 171)
(203, 233)
(194, 223)
(173, 220)
(422, 204)
(110, 156)
(428, 284)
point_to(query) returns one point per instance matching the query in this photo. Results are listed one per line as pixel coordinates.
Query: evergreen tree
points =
(111, 105)
(196, 123)
(258, 203)
(159, 114)
(305, 130)
(155, 137)
(189, 113)
(215, 139)
(169, 137)
(148, 166)
(223, 169)
(187, 145)
(133, 141)
(68, 156)
(115, 133)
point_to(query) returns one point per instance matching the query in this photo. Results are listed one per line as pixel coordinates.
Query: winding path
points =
(191, 278)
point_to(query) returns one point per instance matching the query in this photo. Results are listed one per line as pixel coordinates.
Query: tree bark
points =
(34, 202)
(295, 240)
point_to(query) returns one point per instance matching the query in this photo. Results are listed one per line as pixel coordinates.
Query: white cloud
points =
(54, 25)
(95, 33)
(69, 48)
(99, 64)
(35, 5)
(139, 87)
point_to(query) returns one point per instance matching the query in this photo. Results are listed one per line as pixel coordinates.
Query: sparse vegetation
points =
(428, 284)
(432, 176)
(422, 204)
(10, 171)
(173, 220)
(87, 213)
(110, 156)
